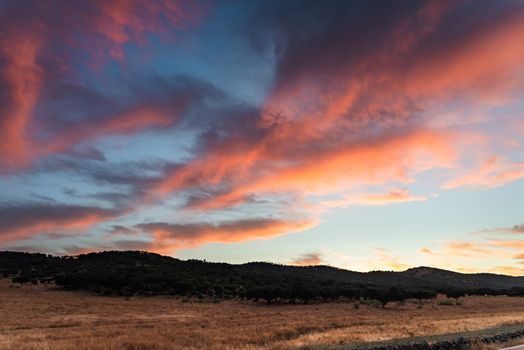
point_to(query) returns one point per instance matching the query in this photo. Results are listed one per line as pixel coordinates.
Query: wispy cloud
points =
(385, 260)
(515, 229)
(391, 197)
(169, 237)
(493, 172)
(308, 259)
(20, 221)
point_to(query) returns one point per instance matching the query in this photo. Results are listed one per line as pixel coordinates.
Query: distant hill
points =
(463, 280)
(131, 272)
(419, 276)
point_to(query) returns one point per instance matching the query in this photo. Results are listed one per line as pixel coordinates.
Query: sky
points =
(359, 134)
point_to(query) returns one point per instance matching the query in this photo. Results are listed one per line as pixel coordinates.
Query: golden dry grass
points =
(38, 317)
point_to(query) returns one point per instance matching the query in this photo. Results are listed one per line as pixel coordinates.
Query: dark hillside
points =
(132, 272)
(462, 280)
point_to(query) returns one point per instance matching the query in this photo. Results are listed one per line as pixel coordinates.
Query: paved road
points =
(518, 347)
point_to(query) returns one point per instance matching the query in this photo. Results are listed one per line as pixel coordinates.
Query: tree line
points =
(140, 273)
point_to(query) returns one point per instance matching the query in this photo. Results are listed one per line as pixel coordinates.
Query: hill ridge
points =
(425, 275)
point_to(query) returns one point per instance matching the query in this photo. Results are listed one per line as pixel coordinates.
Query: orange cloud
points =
(259, 171)
(22, 76)
(501, 250)
(308, 259)
(515, 229)
(386, 261)
(508, 270)
(425, 250)
(23, 221)
(464, 269)
(481, 65)
(519, 257)
(394, 196)
(493, 172)
(169, 237)
(468, 249)
(510, 244)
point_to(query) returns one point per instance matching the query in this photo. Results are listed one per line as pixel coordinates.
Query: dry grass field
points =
(40, 317)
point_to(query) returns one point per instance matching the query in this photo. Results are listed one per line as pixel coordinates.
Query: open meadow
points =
(42, 317)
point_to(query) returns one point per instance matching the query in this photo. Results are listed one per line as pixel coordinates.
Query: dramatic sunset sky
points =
(359, 134)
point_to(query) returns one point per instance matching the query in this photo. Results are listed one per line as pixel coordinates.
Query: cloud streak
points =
(391, 197)
(18, 222)
(169, 237)
(493, 172)
(308, 259)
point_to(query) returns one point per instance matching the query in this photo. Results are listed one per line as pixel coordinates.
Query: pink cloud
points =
(20, 222)
(170, 237)
(493, 172)
(394, 196)
(308, 259)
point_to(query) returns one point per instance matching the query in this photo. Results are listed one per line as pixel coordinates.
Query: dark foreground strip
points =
(462, 343)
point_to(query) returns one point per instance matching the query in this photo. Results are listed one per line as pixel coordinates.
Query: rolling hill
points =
(131, 272)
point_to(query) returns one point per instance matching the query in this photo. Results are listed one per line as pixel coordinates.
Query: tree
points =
(423, 294)
(455, 293)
